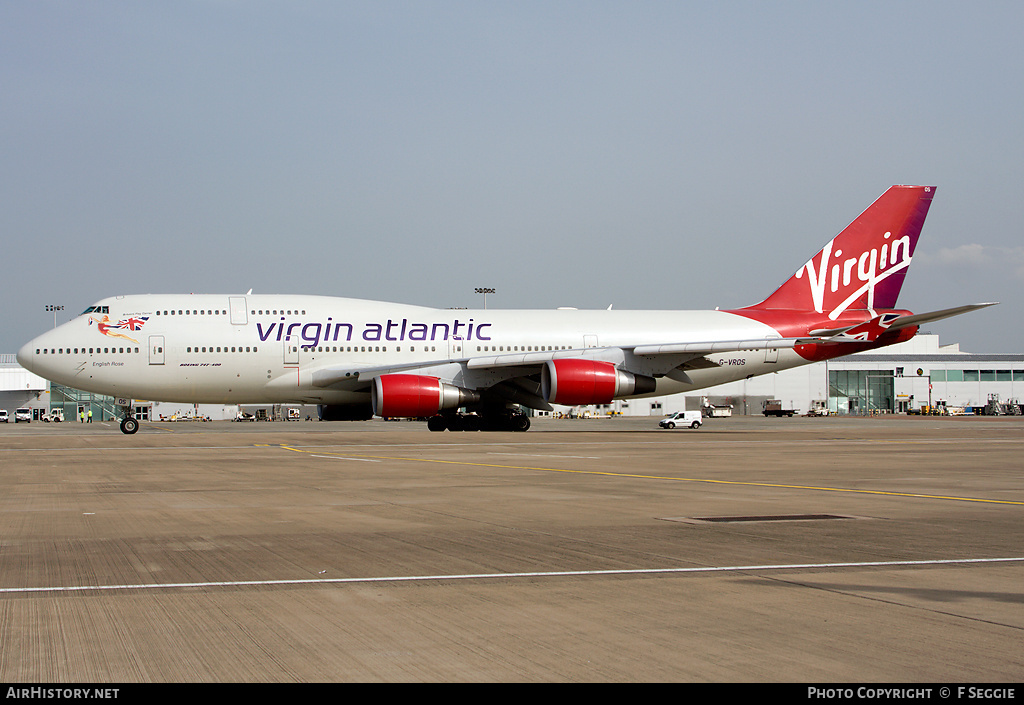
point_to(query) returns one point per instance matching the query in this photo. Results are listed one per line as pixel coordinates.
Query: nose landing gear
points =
(129, 424)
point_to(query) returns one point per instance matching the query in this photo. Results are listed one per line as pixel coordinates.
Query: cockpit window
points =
(96, 309)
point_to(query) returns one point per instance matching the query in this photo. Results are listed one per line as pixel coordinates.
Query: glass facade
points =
(977, 375)
(76, 404)
(861, 391)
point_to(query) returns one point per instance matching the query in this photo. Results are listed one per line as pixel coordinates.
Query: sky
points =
(643, 155)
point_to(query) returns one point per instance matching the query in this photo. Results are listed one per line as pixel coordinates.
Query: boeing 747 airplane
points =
(469, 370)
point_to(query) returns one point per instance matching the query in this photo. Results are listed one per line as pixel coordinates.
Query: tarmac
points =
(807, 550)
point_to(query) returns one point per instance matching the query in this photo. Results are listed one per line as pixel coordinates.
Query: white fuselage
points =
(302, 349)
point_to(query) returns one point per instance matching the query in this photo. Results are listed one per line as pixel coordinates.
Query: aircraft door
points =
(156, 350)
(236, 308)
(291, 351)
(771, 354)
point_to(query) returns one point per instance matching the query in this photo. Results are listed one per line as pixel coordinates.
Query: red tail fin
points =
(862, 267)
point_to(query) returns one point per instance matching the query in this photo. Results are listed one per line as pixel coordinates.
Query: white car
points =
(3, 416)
(691, 419)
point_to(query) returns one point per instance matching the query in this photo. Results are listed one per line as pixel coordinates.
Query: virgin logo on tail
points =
(835, 272)
(862, 267)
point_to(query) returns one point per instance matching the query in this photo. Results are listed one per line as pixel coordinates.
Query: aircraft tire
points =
(521, 423)
(436, 424)
(129, 426)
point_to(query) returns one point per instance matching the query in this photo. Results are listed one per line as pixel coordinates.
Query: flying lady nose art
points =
(111, 330)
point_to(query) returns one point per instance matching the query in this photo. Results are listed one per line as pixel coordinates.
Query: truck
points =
(773, 407)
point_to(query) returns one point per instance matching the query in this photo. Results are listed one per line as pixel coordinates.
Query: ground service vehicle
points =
(773, 407)
(686, 419)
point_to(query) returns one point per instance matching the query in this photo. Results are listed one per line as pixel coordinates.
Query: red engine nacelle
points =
(417, 395)
(572, 382)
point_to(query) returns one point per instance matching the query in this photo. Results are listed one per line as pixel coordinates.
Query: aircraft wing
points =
(692, 349)
(721, 346)
(356, 377)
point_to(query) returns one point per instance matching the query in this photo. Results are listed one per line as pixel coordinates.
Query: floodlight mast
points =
(485, 290)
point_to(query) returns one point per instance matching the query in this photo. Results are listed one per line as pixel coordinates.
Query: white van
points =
(23, 414)
(3, 416)
(691, 419)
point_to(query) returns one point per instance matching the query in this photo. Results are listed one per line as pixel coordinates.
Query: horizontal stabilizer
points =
(919, 318)
(869, 331)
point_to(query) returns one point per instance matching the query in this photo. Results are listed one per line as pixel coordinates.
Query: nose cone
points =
(31, 358)
(26, 356)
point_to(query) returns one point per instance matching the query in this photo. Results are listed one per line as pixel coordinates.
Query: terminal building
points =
(920, 373)
(20, 389)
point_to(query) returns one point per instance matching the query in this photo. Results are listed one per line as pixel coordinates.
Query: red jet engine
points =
(572, 382)
(417, 396)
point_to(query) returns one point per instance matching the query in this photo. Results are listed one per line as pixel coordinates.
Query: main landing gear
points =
(511, 420)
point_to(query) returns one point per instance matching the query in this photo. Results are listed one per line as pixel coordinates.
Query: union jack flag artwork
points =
(131, 323)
